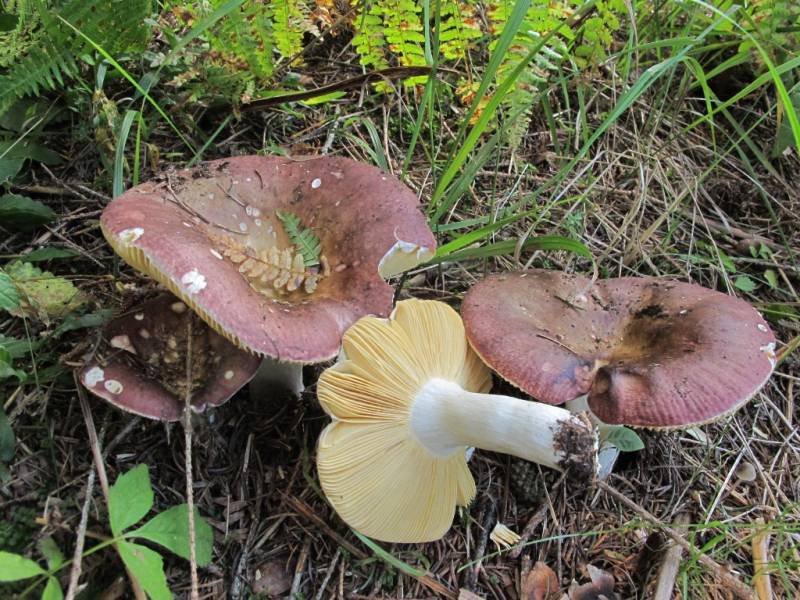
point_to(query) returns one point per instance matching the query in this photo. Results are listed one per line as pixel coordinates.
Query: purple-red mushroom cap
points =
(213, 235)
(145, 366)
(647, 352)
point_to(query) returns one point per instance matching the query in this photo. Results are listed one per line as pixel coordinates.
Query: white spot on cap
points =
(185, 224)
(94, 376)
(258, 222)
(139, 316)
(123, 342)
(178, 307)
(228, 374)
(113, 386)
(762, 327)
(248, 210)
(316, 183)
(215, 254)
(337, 174)
(211, 196)
(242, 227)
(248, 179)
(144, 334)
(769, 352)
(128, 236)
(193, 281)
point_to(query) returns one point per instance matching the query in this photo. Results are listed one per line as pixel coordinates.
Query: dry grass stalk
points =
(761, 580)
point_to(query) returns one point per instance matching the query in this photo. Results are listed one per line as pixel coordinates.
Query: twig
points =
(480, 551)
(77, 555)
(761, 579)
(299, 568)
(329, 573)
(100, 467)
(739, 589)
(669, 567)
(187, 437)
(533, 523)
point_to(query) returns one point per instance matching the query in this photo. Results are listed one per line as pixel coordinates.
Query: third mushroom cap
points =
(648, 352)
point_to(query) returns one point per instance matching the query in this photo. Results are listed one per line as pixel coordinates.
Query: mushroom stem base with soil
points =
(445, 418)
(608, 453)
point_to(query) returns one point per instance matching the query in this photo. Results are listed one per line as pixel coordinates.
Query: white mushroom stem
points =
(445, 418)
(274, 376)
(608, 453)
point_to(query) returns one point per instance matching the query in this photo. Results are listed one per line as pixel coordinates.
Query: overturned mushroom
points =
(407, 399)
(278, 255)
(145, 368)
(647, 352)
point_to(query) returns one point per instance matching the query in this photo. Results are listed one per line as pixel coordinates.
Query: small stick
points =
(187, 437)
(77, 555)
(100, 467)
(669, 568)
(533, 523)
(761, 580)
(299, 568)
(329, 573)
(723, 576)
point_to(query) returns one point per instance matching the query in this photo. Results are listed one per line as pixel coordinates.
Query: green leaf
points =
(744, 283)
(624, 438)
(726, 261)
(24, 150)
(171, 530)
(147, 567)
(7, 440)
(9, 167)
(48, 253)
(6, 371)
(772, 278)
(304, 240)
(17, 348)
(129, 499)
(42, 295)
(776, 311)
(7, 21)
(92, 319)
(51, 552)
(23, 213)
(9, 298)
(52, 591)
(14, 567)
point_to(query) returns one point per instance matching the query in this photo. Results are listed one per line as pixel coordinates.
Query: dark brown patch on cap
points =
(648, 352)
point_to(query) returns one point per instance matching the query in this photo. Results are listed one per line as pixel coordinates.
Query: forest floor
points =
(652, 198)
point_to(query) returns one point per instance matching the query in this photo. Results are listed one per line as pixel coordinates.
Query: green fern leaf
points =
(303, 239)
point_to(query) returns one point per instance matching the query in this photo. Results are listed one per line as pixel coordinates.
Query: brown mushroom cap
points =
(648, 352)
(145, 369)
(184, 228)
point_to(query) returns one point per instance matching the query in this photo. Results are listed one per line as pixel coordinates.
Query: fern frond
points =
(404, 33)
(303, 239)
(369, 40)
(53, 58)
(289, 22)
(459, 27)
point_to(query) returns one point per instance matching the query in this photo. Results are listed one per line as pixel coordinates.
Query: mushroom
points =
(407, 398)
(280, 256)
(145, 371)
(646, 352)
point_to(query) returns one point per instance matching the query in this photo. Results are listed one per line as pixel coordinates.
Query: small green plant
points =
(129, 501)
(303, 239)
